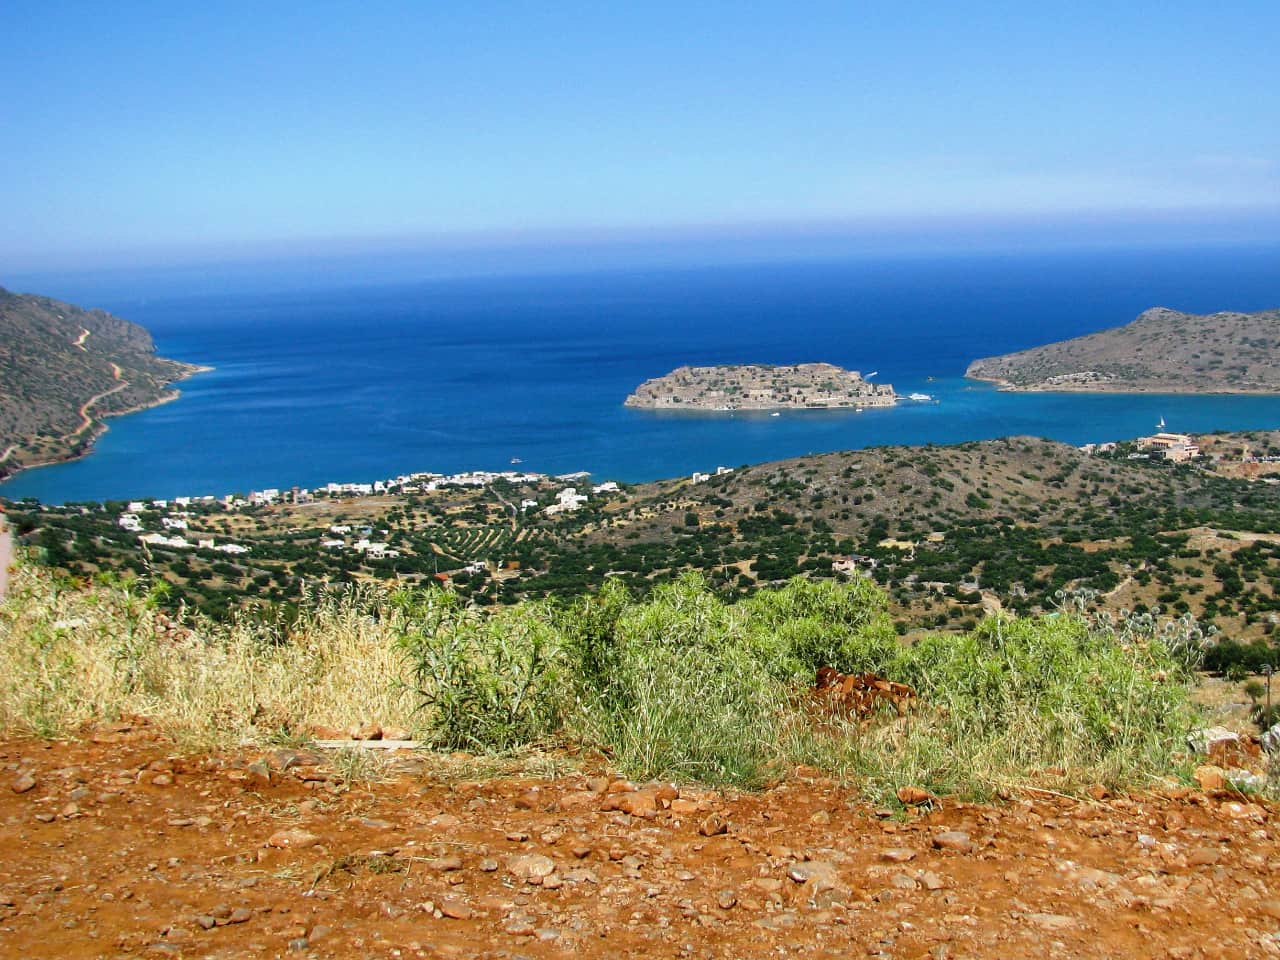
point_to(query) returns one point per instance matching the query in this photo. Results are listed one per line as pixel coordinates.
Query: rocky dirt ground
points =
(118, 846)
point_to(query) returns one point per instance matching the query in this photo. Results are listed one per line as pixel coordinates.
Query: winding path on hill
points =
(86, 421)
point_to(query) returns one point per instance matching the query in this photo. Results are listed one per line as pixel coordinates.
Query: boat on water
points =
(775, 414)
(921, 397)
(516, 460)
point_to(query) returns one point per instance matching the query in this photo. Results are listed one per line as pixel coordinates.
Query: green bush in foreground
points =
(679, 684)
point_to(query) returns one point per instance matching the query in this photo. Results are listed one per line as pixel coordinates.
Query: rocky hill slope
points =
(1163, 351)
(63, 369)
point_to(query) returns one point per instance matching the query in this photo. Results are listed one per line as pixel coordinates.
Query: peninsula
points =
(802, 386)
(1163, 351)
(63, 370)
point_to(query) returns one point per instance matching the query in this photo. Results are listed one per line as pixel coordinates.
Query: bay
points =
(361, 384)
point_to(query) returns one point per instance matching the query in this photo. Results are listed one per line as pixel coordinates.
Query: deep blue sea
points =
(360, 384)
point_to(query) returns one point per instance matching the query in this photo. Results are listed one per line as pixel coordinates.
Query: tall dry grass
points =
(71, 656)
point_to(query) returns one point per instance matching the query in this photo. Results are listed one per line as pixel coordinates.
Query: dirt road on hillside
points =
(119, 848)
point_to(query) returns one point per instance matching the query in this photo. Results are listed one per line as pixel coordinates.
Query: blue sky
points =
(153, 133)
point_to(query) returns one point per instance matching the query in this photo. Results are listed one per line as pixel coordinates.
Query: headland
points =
(1162, 351)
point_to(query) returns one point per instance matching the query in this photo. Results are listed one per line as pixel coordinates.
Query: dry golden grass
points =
(74, 656)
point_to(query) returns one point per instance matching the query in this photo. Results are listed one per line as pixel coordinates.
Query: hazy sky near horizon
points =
(144, 132)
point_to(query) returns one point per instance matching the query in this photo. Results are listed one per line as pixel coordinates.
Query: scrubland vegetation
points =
(680, 683)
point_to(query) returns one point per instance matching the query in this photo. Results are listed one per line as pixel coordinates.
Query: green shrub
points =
(487, 681)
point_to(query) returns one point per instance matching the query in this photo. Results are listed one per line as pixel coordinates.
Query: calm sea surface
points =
(362, 384)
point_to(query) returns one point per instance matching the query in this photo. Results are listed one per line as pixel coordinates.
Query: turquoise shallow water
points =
(362, 384)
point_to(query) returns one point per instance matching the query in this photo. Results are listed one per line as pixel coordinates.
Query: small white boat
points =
(922, 397)
(516, 460)
(775, 414)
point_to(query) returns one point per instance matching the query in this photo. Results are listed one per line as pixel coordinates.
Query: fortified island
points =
(801, 386)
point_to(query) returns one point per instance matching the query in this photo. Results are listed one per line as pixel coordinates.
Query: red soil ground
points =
(118, 847)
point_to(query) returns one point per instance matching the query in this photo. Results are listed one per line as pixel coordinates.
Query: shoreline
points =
(98, 425)
(1005, 386)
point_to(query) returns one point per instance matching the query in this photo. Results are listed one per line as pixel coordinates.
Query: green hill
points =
(63, 369)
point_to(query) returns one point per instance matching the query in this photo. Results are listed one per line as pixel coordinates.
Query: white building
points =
(160, 540)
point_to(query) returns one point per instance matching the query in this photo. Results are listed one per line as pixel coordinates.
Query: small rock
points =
(365, 731)
(914, 795)
(23, 782)
(956, 841)
(295, 838)
(1204, 857)
(932, 881)
(713, 825)
(1052, 921)
(898, 854)
(726, 899)
(818, 873)
(488, 865)
(455, 909)
(240, 915)
(1206, 739)
(531, 799)
(637, 803)
(205, 922)
(903, 882)
(259, 773)
(1209, 778)
(531, 867)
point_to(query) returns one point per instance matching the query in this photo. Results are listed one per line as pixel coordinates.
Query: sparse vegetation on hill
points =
(1163, 351)
(63, 369)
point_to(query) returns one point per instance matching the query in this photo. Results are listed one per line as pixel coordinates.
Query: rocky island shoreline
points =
(801, 386)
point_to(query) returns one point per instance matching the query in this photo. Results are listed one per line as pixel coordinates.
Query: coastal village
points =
(920, 521)
(804, 386)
